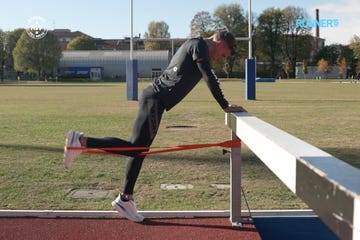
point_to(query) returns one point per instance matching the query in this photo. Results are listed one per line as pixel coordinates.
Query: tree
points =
(305, 68)
(334, 53)
(12, 38)
(2, 54)
(231, 17)
(157, 30)
(202, 24)
(342, 67)
(38, 56)
(355, 61)
(355, 46)
(268, 35)
(324, 66)
(297, 42)
(354, 68)
(287, 69)
(82, 43)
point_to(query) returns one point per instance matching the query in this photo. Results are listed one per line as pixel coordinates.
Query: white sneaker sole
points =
(123, 213)
(70, 155)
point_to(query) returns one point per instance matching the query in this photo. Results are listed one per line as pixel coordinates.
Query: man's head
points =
(225, 45)
(228, 38)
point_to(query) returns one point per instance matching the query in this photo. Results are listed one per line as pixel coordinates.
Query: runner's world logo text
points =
(321, 23)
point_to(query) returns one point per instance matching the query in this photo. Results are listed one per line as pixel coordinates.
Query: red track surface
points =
(150, 229)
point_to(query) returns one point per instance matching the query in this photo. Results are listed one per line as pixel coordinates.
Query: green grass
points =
(34, 119)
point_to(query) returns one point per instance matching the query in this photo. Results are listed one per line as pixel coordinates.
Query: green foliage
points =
(38, 56)
(230, 17)
(296, 42)
(334, 53)
(276, 37)
(2, 54)
(82, 43)
(157, 30)
(355, 45)
(269, 35)
(11, 40)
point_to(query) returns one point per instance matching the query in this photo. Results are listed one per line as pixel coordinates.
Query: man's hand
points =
(234, 108)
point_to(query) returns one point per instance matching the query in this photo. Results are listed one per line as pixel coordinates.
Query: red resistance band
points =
(236, 143)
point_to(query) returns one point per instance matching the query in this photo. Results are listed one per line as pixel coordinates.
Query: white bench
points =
(326, 184)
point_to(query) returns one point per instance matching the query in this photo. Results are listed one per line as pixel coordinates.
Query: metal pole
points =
(172, 47)
(131, 65)
(250, 31)
(131, 30)
(250, 69)
(235, 183)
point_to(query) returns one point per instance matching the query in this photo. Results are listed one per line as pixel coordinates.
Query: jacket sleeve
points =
(212, 82)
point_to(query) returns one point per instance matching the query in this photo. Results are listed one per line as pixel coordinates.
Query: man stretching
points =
(190, 64)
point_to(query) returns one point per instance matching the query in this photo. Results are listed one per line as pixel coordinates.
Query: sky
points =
(110, 19)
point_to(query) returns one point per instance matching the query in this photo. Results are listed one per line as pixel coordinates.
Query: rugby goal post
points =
(329, 186)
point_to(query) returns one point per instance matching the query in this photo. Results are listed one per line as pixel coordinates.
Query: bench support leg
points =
(235, 184)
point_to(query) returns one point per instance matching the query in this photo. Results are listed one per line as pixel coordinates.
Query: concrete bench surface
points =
(328, 185)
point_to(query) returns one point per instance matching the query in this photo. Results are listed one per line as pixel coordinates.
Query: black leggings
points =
(144, 131)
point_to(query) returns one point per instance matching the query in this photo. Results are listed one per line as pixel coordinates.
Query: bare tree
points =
(297, 40)
(202, 24)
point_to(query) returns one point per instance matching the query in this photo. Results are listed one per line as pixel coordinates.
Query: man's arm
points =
(212, 82)
(214, 86)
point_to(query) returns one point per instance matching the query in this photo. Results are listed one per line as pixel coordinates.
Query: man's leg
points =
(78, 139)
(144, 131)
(111, 142)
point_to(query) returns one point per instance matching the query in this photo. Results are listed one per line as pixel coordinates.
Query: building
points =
(64, 36)
(313, 73)
(112, 64)
(109, 60)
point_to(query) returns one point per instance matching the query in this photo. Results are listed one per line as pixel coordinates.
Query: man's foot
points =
(127, 209)
(72, 140)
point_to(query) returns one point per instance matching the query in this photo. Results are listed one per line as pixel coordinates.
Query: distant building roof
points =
(64, 36)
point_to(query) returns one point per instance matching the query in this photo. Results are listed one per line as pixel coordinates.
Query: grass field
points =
(34, 119)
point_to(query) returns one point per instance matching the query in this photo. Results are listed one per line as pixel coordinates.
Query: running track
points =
(150, 229)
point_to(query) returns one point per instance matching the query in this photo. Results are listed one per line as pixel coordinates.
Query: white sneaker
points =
(72, 140)
(127, 209)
